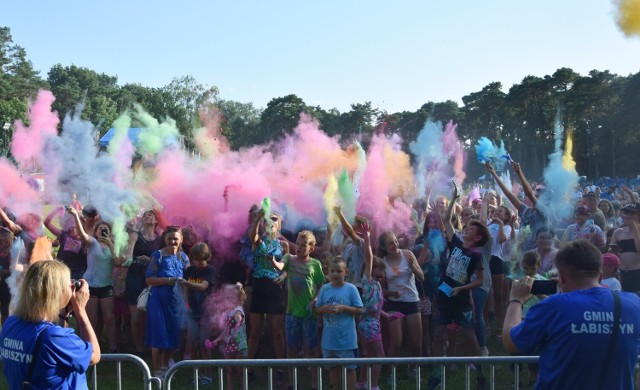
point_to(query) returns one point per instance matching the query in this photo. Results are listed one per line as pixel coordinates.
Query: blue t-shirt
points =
(339, 330)
(571, 332)
(61, 363)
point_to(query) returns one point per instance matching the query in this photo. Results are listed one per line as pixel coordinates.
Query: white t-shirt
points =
(612, 284)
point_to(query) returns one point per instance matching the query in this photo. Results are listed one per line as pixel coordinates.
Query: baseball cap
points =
(632, 207)
(611, 259)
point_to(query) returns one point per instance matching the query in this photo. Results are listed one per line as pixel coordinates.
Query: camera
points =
(77, 284)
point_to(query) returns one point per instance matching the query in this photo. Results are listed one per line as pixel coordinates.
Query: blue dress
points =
(165, 308)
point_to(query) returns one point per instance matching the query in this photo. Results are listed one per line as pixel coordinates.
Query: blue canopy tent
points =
(134, 135)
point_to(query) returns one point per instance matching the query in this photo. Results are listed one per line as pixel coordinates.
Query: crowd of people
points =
(344, 291)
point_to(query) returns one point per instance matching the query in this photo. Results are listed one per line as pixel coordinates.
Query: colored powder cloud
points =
(628, 16)
(29, 141)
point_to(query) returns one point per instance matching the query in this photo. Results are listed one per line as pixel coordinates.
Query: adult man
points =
(590, 200)
(574, 332)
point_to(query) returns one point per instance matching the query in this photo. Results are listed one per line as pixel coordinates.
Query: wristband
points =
(517, 300)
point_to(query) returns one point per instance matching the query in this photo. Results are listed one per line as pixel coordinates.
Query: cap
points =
(611, 259)
(583, 210)
(632, 207)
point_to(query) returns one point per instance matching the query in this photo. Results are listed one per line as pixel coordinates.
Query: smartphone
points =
(104, 233)
(544, 287)
(614, 248)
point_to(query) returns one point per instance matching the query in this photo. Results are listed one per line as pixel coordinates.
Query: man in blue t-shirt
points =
(574, 331)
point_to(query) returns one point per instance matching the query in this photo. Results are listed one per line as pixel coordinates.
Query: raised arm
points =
(368, 252)
(48, 221)
(448, 226)
(254, 237)
(512, 198)
(346, 226)
(79, 228)
(14, 227)
(526, 187)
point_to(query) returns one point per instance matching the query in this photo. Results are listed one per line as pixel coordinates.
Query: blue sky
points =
(396, 54)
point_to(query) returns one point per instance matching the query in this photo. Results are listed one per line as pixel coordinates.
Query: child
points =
(530, 265)
(610, 265)
(339, 303)
(372, 299)
(234, 333)
(305, 277)
(198, 282)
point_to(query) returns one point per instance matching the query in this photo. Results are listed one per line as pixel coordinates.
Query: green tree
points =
(280, 117)
(19, 82)
(239, 123)
(99, 92)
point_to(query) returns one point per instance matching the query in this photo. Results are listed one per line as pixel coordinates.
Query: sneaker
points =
(361, 386)
(484, 351)
(206, 380)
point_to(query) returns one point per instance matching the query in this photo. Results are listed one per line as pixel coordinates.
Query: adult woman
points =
(62, 357)
(609, 213)
(164, 307)
(401, 274)
(100, 260)
(142, 244)
(71, 251)
(267, 294)
(626, 240)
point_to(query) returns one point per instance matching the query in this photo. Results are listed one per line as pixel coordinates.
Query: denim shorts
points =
(341, 354)
(301, 331)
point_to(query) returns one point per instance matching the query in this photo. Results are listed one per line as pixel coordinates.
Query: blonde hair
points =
(46, 288)
(308, 234)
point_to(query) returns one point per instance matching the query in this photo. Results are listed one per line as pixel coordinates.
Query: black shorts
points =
(630, 280)
(101, 292)
(449, 310)
(406, 308)
(267, 297)
(496, 265)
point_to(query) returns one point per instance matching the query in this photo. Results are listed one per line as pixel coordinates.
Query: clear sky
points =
(396, 54)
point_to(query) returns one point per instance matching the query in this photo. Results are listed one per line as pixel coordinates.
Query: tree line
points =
(601, 110)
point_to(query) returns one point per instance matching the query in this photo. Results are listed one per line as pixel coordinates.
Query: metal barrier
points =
(123, 357)
(320, 365)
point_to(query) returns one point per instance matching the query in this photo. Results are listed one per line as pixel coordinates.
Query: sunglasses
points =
(275, 219)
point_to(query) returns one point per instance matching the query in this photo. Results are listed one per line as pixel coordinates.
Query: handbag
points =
(143, 299)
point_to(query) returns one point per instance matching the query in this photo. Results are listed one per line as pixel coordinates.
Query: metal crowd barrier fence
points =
(148, 381)
(321, 364)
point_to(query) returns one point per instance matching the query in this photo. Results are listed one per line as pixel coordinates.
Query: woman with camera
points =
(36, 350)
(100, 260)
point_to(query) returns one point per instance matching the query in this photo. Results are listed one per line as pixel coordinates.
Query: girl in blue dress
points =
(164, 310)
